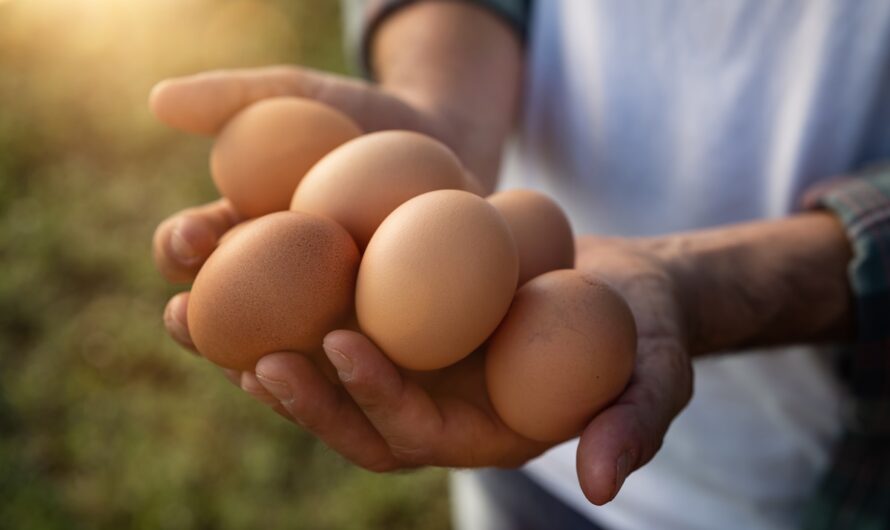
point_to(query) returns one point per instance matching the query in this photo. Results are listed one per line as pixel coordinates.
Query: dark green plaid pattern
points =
(855, 493)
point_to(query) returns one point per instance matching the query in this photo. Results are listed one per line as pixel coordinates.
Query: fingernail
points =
(251, 384)
(176, 327)
(279, 389)
(183, 251)
(621, 470)
(341, 362)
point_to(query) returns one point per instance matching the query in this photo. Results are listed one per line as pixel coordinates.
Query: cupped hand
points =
(203, 103)
(384, 418)
(379, 416)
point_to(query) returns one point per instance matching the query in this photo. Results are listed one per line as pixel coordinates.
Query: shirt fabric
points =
(855, 493)
(643, 118)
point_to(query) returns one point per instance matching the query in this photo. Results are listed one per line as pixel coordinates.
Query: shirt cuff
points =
(862, 203)
(514, 12)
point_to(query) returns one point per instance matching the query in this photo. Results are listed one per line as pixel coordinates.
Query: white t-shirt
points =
(645, 117)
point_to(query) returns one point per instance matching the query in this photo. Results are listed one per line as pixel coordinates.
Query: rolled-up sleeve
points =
(364, 17)
(855, 490)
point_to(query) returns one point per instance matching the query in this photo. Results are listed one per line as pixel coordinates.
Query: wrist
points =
(763, 284)
(458, 64)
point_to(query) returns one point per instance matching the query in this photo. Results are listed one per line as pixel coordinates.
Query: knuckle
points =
(307, 420)
(411, 452)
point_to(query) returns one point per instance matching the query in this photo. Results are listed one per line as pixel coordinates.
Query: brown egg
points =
(364, 180)
(263, 152)
(564, 351)
(278, 284)
(541, 229)
(436, 279)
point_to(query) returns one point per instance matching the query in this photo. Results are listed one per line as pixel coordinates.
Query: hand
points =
(628, 433)
(203, 103)
(764, 283)
(384, 418)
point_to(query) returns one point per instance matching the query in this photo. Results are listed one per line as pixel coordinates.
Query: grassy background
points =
(104, 422)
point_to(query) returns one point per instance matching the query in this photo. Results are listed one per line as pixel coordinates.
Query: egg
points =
(280, 283)
(262, 153)
(541, 229)
(564, 351)
(436, 279)
(364, 180)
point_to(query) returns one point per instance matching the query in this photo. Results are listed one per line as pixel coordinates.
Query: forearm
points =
(460, 63)
(764, 283)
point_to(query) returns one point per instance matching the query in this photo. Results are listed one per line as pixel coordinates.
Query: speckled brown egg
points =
(436, 279)
(364, 180)
(263, 152)
(564, 351)
(541, 230)
(279, 284)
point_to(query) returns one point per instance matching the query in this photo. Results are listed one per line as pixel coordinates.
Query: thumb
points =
(627, 434)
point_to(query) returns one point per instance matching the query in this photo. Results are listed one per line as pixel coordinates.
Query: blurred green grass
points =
(104, 422)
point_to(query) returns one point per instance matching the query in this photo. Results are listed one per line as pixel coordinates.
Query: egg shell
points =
(541, 229)
(436, 279)
(279, 284)
(263, 152)
(564, 351)
(364, 180)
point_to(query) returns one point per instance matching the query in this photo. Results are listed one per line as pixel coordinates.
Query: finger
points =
(401, 411)
(204, 102)
(176, 321)
(183, 242)
(249, 383)
(324, 409)
(628, 434)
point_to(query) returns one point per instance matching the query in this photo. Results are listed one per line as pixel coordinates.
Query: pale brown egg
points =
(364, 180)
(563, 352)
(436, 279)
(263, 152)
(279, 284)
(541, 229)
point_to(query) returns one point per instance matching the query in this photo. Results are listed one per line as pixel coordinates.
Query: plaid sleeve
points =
(514, 12)
(855, 493)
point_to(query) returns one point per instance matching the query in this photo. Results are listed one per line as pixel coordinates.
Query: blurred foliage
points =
(104, 422)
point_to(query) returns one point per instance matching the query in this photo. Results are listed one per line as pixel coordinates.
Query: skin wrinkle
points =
(768, 298)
